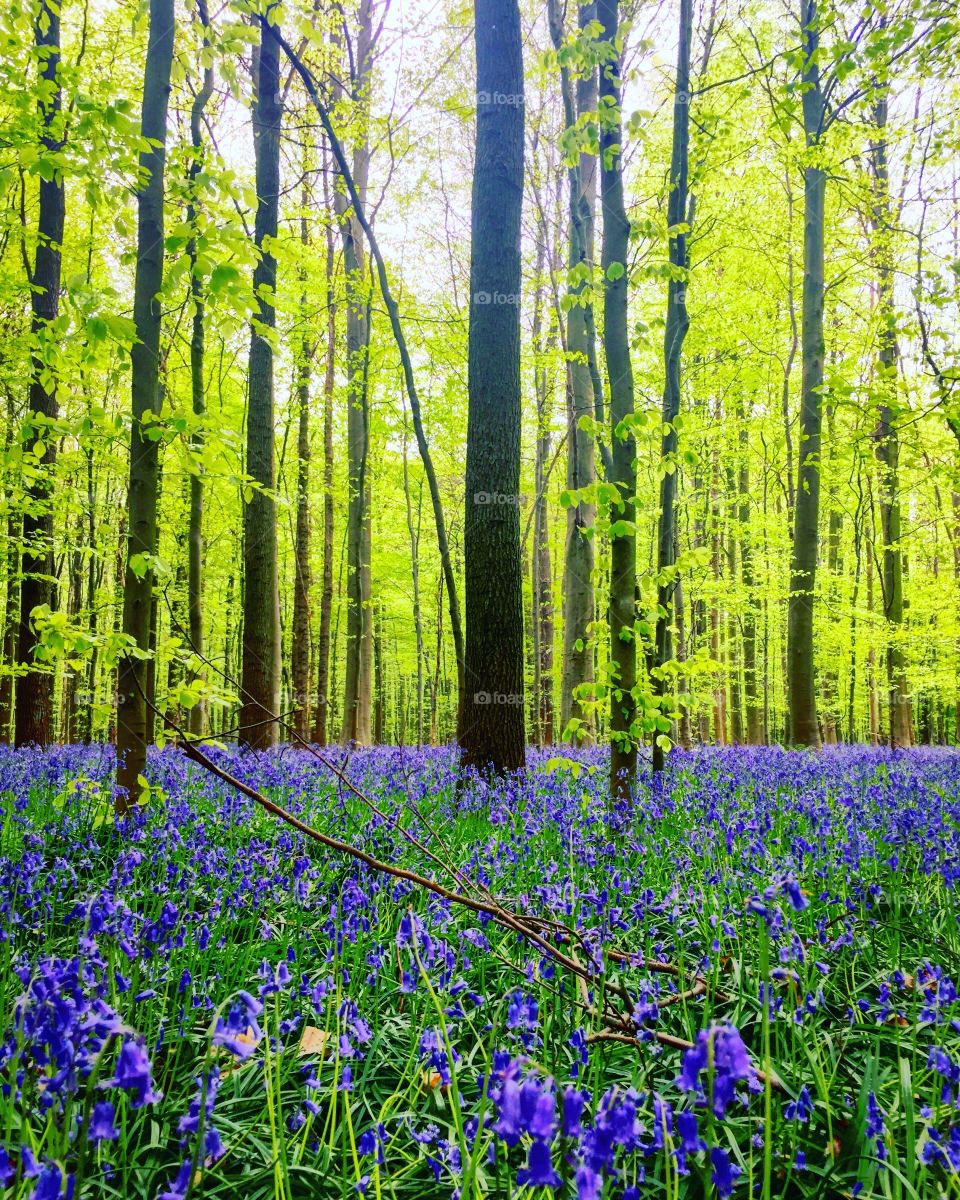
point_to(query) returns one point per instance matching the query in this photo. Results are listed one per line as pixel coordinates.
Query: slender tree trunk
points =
(623, 537)
(756, 733)
(491, 729)
(733, 658)
(716, 620)
(145, 394)
(300, 650)
(873, 700)
(396, 326)
(197, 716)
(888, 436)
(322, 720)
(379, 680)
(34, 687)
(11, 610)
(542, 569)
(675, 330)
(260, 693)
(413, 532)
(578, 566)
(801, 676)
(358, 665)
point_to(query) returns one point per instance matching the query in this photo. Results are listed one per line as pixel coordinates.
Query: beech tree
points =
(133, 697)
(260, 677)
(34, 695)
(492, 729)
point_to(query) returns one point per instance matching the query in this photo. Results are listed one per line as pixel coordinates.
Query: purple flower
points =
(539, 1170)
(731, 1065)
(573, 1103)
(102, 1128)
(724, 1171)
(132, 1072)
(588, 1184)
(800, 1109)
(49, 1184)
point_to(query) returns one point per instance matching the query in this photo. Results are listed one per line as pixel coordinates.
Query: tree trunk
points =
(888, 437)
(578, 564)
(491, 730)
(11, 608)
(756, 733)
(300, 650)
(413, 532)
(145, 395)
(358, 665)
(322, 720)
(197, 717)
(34, 688)
(260, 692)
(542, 570)
(801, 686)
(623, 536)
(675, 330)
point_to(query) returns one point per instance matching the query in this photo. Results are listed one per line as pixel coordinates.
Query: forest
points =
(479, 599)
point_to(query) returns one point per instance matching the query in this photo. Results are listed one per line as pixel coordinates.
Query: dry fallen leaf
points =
(314, 1041)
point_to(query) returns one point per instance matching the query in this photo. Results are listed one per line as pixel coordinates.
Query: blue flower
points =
(133, 1073)
(539, 1171)
(724, 1172)
(102, 1128)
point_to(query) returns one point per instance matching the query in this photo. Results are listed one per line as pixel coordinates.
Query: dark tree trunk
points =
(260, 687)
(300, 650)
(34, 688)
(197, 718)
(491, 728)
(623, 536)
(801, 677)
(145, 394)
(675, 331)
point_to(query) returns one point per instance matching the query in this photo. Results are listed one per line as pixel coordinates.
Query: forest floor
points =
(198, 1001)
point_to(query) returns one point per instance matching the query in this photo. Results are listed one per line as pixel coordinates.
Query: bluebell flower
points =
(539, 1171)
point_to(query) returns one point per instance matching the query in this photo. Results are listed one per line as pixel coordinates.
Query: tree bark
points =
(413, 532)
(756, 733)
(34, 687)
(491, 728)
(11, 609)
(145, 395)
(801, 685)
(888, 437)
(300, 649)
(675, 330)
(358, 664)
(542, 591)
(322, 718)
(578, 564)
(197, 717)
(260, 694)
(623, 536)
